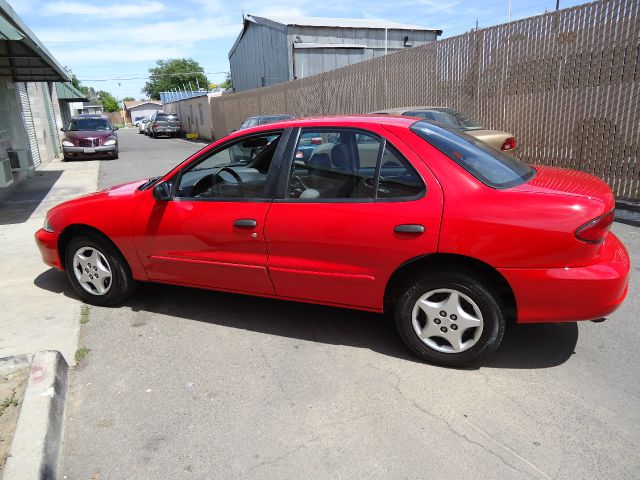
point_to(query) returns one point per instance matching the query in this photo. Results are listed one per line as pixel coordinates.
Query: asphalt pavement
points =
(183, 383)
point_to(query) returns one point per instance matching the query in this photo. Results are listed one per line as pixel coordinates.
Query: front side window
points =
(332, 165)
(237, 170)
(492, 167)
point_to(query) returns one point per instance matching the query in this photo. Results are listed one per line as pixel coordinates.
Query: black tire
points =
(121, 285)
(488, 303)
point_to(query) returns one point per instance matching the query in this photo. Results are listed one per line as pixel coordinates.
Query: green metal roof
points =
(23, 57)
(68, 93)
(7, 32)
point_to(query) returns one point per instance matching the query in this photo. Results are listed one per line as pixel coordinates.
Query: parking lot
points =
(184, 383)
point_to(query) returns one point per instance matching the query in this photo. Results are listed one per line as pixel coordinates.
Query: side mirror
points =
(63, 129)
(162, 191)
(115, 128)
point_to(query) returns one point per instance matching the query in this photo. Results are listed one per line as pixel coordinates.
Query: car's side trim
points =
(358, 278)
(208, 262)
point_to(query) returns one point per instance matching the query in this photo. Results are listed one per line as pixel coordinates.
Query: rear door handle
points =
(409, 228)
(245, 223)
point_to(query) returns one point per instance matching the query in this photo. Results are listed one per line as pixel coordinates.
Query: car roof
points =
(401, 110)
(334, 121)
(89, 115)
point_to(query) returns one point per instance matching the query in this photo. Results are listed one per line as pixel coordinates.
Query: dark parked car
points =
(263, 119)
(89, 136)
(165, 124)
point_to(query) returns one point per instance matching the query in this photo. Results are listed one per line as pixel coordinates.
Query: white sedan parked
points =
(142, 124)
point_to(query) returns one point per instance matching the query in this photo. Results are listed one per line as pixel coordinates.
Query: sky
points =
(110, 45)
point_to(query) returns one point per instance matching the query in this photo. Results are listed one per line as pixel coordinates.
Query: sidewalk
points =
(34, 318)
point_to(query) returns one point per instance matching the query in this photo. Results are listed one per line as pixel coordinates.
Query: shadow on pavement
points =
(26, 197)
(524, 346)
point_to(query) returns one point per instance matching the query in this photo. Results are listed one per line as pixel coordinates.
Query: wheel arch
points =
(415, 267)
(76, 229)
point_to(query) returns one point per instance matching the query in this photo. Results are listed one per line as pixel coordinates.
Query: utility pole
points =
(509, 10)
(120, 93)
(557, 5)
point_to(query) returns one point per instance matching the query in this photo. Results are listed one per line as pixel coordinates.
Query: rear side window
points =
(492, 167)
(340, 165)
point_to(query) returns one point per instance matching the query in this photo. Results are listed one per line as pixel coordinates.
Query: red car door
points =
(210, 234)
(329, 239)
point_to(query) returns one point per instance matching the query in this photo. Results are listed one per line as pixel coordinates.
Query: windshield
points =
(89, 124)
(446, 116)
(490, 166)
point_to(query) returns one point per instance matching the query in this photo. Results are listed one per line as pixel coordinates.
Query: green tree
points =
(128, 99)
(89, 92)
(108, 101)
(228, 82)
(176, 73)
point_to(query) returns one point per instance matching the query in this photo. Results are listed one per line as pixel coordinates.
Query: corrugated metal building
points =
(29, 110)
(277, 49)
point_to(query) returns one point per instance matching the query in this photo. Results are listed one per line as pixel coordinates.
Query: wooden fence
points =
(566, 83)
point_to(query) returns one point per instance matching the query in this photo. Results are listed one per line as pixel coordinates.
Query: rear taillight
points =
(178, 124)
(596, 230)
(316, 141)
(508, 144)
(155, 125)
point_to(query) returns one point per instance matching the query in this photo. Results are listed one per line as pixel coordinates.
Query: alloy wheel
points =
(92, 270)
(447, 320)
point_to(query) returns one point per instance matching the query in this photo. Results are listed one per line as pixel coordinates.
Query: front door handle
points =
(409, 228)
(245, 223)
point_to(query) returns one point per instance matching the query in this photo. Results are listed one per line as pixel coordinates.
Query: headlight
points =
(67, 143)
(110, 142)
(46, 226)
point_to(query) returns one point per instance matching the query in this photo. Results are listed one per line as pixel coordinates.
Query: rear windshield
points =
(490, 166)
(446, 116)
(169, 116)
(273, 118)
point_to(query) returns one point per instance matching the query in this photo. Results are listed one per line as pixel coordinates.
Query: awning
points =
(68, 93)
(23, 58)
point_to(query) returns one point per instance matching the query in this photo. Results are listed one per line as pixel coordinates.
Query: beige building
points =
(195, 114)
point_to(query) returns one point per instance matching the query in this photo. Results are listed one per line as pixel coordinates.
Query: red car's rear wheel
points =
(450, 318)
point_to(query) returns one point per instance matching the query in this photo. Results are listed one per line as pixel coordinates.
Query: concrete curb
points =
(35, 452)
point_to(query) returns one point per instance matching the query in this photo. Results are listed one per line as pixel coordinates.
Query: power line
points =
(148, 76)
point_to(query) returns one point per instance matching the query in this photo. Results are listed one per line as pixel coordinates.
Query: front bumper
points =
(90, 152)
(572, 293)
(47, 243)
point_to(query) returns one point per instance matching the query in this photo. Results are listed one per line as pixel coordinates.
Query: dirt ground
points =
(12, 386)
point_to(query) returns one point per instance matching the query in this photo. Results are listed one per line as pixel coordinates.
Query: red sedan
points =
(379, 214)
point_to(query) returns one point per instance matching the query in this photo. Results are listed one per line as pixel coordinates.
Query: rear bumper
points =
(166, 130)
(571, 294)
(48, 245)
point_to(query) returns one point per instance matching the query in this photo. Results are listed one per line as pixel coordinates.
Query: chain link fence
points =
(566, 83)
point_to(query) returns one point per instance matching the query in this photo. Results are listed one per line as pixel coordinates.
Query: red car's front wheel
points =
(450, 318)
(97, 271)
